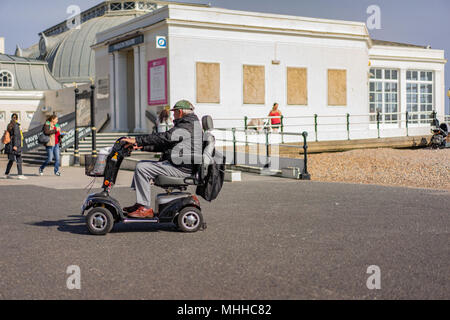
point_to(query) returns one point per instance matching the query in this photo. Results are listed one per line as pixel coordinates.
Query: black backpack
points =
(43, 138)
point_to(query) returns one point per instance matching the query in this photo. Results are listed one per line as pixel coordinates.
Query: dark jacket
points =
(181, 145)
(16, 140)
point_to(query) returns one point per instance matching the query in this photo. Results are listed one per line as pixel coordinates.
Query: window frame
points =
(420, 116)
(11, 77)
(129, 5)
(116, 6)
(391, 117)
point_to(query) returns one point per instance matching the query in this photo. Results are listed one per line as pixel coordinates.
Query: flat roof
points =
(396, 44)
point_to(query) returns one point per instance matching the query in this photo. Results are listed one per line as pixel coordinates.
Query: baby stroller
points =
(440, 133)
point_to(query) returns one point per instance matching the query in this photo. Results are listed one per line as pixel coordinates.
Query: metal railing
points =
(304, 174)
(374, 121)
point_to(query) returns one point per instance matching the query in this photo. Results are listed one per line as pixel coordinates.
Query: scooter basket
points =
(95, 166)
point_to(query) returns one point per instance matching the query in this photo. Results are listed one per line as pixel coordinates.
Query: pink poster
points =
(157, 82)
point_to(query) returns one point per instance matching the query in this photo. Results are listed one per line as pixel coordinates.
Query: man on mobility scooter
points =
(182, 149)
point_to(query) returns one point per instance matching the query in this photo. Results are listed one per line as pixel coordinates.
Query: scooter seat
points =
(166, 181)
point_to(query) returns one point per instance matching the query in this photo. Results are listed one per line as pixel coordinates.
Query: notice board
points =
(157, 82)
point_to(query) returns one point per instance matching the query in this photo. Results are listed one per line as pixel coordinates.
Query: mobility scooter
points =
(181, 208)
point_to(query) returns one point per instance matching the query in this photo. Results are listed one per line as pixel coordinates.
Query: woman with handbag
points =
(14, 148)
(53, 131)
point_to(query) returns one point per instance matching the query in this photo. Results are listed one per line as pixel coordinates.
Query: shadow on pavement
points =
(77, 225)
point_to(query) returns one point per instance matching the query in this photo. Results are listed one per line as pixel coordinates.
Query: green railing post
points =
(76, 151)
(93, 128)
(378, 123)
(305, 175)
(348, 126)
(282, 129)
(246, 128)
(234, 145)
(267, 143)
(315, 126)
(407, 123)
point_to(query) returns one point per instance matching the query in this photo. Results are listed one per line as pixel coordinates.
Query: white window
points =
(6, 79)
(383, 95)
(419, 95)
(30, 115)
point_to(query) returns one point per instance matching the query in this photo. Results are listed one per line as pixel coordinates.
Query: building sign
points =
(66, 123)
(161, 42)
(157, 82)
(126, 43)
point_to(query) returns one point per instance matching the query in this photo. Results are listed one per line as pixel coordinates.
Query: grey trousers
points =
(145, 172)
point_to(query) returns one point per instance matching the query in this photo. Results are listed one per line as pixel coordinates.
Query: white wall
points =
(20, 102)
(233, 49)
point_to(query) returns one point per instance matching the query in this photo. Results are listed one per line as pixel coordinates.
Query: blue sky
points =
(411, 21)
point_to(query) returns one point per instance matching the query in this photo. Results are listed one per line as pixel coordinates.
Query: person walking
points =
(275, 122)
(51, 128)
(14, 148)
(163, 121)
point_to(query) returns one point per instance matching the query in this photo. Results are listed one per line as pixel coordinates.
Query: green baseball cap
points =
(182, 104)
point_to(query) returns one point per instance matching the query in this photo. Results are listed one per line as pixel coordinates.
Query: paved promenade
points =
(267, 238)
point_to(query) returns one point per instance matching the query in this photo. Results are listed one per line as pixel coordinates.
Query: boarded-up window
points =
(208, 82)
(297, 89)
(337, 87)
(254, 84)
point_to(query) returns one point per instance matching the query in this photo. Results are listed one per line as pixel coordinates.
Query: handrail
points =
(404, 120)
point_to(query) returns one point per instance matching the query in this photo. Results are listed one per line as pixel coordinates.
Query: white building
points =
(233, 64)
(23, 86)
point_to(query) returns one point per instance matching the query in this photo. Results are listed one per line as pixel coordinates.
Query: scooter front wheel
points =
(190, 219)
(99, 221)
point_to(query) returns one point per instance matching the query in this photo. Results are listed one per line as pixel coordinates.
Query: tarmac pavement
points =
(267, 238)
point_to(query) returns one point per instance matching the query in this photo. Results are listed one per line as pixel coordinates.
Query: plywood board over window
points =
(337, 87)
(254, 84)
(297, 88)
(208, 82)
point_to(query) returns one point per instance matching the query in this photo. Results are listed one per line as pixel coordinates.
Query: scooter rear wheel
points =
(99, 221)
(190, 219)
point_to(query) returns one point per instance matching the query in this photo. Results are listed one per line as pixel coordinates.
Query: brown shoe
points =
(142, 212)
(132, 208)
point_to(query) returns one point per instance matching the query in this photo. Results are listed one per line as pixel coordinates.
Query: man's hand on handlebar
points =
(131, 142)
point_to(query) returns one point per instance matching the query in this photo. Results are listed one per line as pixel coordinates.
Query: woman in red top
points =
(53, 131)
(275, 122)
